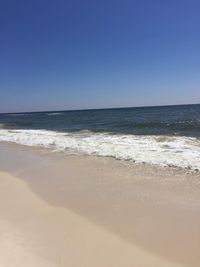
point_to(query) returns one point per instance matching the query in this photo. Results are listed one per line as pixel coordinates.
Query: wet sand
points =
(59, 210)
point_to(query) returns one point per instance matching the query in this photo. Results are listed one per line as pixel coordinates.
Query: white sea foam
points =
(54, 113)
(18, 114)
(161, 150)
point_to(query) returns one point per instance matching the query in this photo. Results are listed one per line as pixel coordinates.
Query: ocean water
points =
(166, 136)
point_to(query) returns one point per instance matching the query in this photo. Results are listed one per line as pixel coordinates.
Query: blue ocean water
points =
(181, 120)
(165, 136)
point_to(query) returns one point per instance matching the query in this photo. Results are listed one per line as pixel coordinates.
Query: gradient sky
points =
(71, 54)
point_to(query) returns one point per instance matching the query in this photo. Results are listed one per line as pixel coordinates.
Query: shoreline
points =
(161, 150)
(126, 215)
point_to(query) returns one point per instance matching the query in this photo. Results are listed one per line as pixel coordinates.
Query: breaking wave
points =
(161, 150)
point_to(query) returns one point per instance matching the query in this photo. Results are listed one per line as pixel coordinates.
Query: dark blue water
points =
(179, 120)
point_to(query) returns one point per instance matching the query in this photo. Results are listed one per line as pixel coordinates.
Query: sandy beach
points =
(59, 210)
(99, 133)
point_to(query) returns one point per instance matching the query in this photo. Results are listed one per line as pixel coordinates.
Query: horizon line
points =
(90, 109)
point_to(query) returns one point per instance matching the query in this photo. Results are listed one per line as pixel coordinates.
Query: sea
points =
(158, 135)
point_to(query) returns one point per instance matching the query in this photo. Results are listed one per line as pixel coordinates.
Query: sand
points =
(88, 212)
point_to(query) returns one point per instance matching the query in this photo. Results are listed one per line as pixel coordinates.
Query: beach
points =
(100, 133)
(59, 210)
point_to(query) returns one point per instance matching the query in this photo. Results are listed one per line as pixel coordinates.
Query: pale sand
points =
(34, 233)
(89, 212)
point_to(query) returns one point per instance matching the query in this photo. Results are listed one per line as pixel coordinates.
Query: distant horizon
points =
(104, 108)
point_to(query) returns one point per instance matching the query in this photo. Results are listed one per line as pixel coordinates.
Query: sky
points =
(79, 54)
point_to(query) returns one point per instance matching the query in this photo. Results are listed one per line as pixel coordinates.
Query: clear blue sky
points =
(71, 54)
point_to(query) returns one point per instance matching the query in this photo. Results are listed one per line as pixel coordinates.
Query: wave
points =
(174, 151)
(192, 124)
(53, 113)
(18, 114)
(14, 124)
